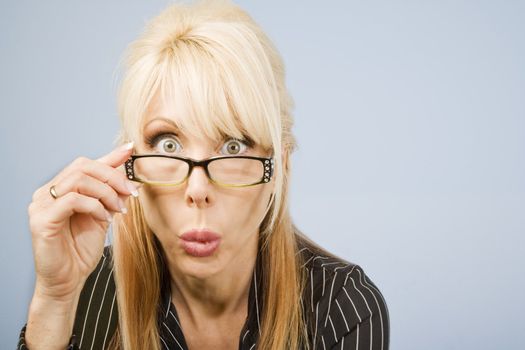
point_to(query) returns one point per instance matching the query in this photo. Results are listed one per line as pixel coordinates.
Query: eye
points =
(165, 143)
(233, 146)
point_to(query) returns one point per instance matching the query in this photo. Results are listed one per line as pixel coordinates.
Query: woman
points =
(205, 255)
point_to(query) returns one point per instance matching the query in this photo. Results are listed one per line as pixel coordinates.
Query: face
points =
(233, 213)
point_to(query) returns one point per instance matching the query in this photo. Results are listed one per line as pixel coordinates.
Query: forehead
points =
(192, 116)
(208, 106)
(166, 108)
(173, 113)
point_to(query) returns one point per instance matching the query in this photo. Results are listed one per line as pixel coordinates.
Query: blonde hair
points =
(233, 77)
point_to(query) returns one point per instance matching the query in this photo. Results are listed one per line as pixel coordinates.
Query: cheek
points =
(251, 209)
(241, 210)
(158, 207)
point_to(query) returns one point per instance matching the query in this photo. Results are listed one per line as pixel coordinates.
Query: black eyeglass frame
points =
(268, 164)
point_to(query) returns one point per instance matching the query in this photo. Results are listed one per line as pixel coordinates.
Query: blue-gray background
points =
(410, 119)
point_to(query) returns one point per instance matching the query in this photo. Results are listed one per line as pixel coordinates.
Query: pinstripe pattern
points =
(342, 307)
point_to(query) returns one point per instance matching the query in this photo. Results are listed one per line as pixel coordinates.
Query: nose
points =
(198, 190)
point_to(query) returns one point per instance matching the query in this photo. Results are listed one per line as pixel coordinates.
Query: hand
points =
(68, 233)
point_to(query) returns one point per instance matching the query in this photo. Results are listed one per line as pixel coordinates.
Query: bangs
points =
(220, 97)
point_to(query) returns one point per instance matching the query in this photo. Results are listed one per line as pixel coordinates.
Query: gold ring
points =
(53, 192)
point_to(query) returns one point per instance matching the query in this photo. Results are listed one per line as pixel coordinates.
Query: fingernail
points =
(131, 188)
(109, 218)
(123, 208)
(127, 146)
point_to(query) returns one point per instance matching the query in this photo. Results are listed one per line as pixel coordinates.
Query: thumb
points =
(118, 156)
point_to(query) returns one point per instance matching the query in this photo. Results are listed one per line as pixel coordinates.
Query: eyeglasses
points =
(227, 171)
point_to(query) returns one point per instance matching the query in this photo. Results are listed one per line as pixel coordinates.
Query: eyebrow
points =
(163, 119)
(249, 141)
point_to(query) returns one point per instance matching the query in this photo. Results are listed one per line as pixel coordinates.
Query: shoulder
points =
(341, 301)
(101, 278)
(97, 313)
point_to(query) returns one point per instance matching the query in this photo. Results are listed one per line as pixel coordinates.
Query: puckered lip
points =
(200, 235)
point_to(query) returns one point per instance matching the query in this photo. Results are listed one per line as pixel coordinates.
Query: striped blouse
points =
(342, 306)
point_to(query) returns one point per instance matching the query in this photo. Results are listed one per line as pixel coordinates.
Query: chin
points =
(200, 268)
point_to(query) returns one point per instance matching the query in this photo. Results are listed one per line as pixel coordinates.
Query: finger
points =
(92, 187)
(73, 202)
(118, 156)
(116, 178)
(104, 173)
(109, 173)
(125, 203)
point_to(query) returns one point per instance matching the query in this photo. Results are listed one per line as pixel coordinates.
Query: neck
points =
(220, 295)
